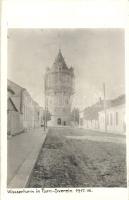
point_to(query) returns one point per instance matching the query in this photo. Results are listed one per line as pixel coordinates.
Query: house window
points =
(103, 119)
(111, 119)
(107, 119)
(116, 118)
(60, 67)
(38, 115)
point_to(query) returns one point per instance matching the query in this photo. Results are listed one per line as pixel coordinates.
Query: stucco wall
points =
(115, 119)
(15, 124)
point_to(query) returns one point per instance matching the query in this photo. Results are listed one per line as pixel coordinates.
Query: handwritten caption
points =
(45, 190)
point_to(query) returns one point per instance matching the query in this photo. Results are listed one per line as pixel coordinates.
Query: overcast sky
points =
(97, 56)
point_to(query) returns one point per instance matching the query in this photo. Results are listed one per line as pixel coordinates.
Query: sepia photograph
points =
(66, 108)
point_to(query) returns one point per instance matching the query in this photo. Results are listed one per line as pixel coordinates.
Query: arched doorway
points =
(59, 121)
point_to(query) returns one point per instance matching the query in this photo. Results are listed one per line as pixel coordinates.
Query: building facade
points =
(41, 116)
(37, 123)
(22, 112)
(113, 120)
(14, 109)
(28, 111)
(59, 87)
(89, 116)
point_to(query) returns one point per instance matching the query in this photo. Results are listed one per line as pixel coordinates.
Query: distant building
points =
(81, 118)
(36, 115)
(75, 117)
(44, 116)
(41, 117)
(89, 116)
(93, 117)
(59, 87)
(115, 116)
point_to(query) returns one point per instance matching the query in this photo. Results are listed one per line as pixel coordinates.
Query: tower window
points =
(66, 101)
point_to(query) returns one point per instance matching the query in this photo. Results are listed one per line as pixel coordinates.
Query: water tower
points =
(59, 88)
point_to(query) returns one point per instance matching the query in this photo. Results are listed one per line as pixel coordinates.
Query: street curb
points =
(21, 179)
(101, 131)
(27, 183)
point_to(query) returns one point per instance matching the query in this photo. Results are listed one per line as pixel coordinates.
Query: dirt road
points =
(80, 158)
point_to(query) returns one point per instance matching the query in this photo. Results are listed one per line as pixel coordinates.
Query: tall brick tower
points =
(59, 87)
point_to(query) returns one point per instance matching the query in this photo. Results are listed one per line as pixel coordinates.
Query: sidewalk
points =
(23, 151)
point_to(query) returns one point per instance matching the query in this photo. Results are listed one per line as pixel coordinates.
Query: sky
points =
(97, 56)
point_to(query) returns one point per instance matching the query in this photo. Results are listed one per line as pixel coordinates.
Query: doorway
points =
(64, 123)
(59, 121)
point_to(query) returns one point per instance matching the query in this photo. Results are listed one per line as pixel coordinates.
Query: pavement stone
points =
(23, 151)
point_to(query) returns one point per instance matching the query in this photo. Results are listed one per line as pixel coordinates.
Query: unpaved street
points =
(80, 158)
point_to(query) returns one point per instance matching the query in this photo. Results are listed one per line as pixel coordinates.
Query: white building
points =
(89, 116)
(115, 116)
(93, 117)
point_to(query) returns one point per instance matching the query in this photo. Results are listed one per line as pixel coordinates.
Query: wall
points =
(14, 125)
(31, 112)
(114, 119)
(14, 115)
(58, 96)
(23, 111)
(28, 111)
(90, 124)
(36, 115)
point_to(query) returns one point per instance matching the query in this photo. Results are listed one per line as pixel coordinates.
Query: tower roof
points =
(59, 61)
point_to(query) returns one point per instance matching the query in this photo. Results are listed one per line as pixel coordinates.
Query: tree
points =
(75, 115)
(46, 115)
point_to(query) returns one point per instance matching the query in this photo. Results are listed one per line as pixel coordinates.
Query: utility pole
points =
(46, 112)
(45, 102)
(104, 94)
(74, 117)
